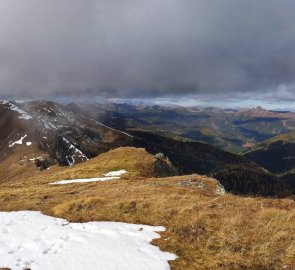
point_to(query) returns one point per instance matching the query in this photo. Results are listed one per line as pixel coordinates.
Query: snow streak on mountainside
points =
(115, 129)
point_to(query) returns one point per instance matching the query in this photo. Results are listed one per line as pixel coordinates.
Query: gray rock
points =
(220, 190)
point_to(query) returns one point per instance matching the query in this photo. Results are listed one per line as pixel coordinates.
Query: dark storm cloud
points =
(146, 48)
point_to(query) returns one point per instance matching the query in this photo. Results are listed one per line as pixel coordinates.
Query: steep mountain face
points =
(231, 130)
(278, 156)
(236, 173)
(18, 142)
(61, 135)
(16, 131)
(76, 138)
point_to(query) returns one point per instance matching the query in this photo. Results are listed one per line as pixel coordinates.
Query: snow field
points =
(32, 240)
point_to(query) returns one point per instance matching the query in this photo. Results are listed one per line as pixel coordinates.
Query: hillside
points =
(236, 173)
(205, 228)
(277, 155)
(136, 161)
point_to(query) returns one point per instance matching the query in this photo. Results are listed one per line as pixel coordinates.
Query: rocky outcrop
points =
(163, 167)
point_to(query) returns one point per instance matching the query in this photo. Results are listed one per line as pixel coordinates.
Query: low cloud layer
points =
(130, 48)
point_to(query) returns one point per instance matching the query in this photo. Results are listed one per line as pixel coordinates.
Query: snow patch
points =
(20, 141)
(108, 176)
(31, 240)
(33, 159)
(116, 173)
(28, 143)
(85, 180)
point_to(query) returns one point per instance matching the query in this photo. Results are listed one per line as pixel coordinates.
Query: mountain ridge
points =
(66, 135)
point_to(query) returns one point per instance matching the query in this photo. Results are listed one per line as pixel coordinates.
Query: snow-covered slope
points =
(30, 240)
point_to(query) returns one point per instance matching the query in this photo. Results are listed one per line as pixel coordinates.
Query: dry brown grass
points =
(205, 230)
(19, 164)
(135, 160)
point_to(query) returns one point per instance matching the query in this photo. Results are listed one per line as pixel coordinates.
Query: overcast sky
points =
(151, 48)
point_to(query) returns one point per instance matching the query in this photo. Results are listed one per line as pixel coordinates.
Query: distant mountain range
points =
(232, 130)
(40, 134)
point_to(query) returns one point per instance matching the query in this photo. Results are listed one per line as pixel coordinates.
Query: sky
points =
(218, 50)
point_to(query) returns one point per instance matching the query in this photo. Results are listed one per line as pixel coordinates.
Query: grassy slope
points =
(19, 163)
(206, 231)
(275, 154)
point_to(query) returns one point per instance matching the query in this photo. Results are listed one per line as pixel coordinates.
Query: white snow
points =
(33, 159)
(20, 141)
(78, 153)
(28, 143)
(108, 176)
(83, 180)
(122, 132)
(11, 106)
(30, 240)
(116, 173)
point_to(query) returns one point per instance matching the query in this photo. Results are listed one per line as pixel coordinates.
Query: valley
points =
(232, 130)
